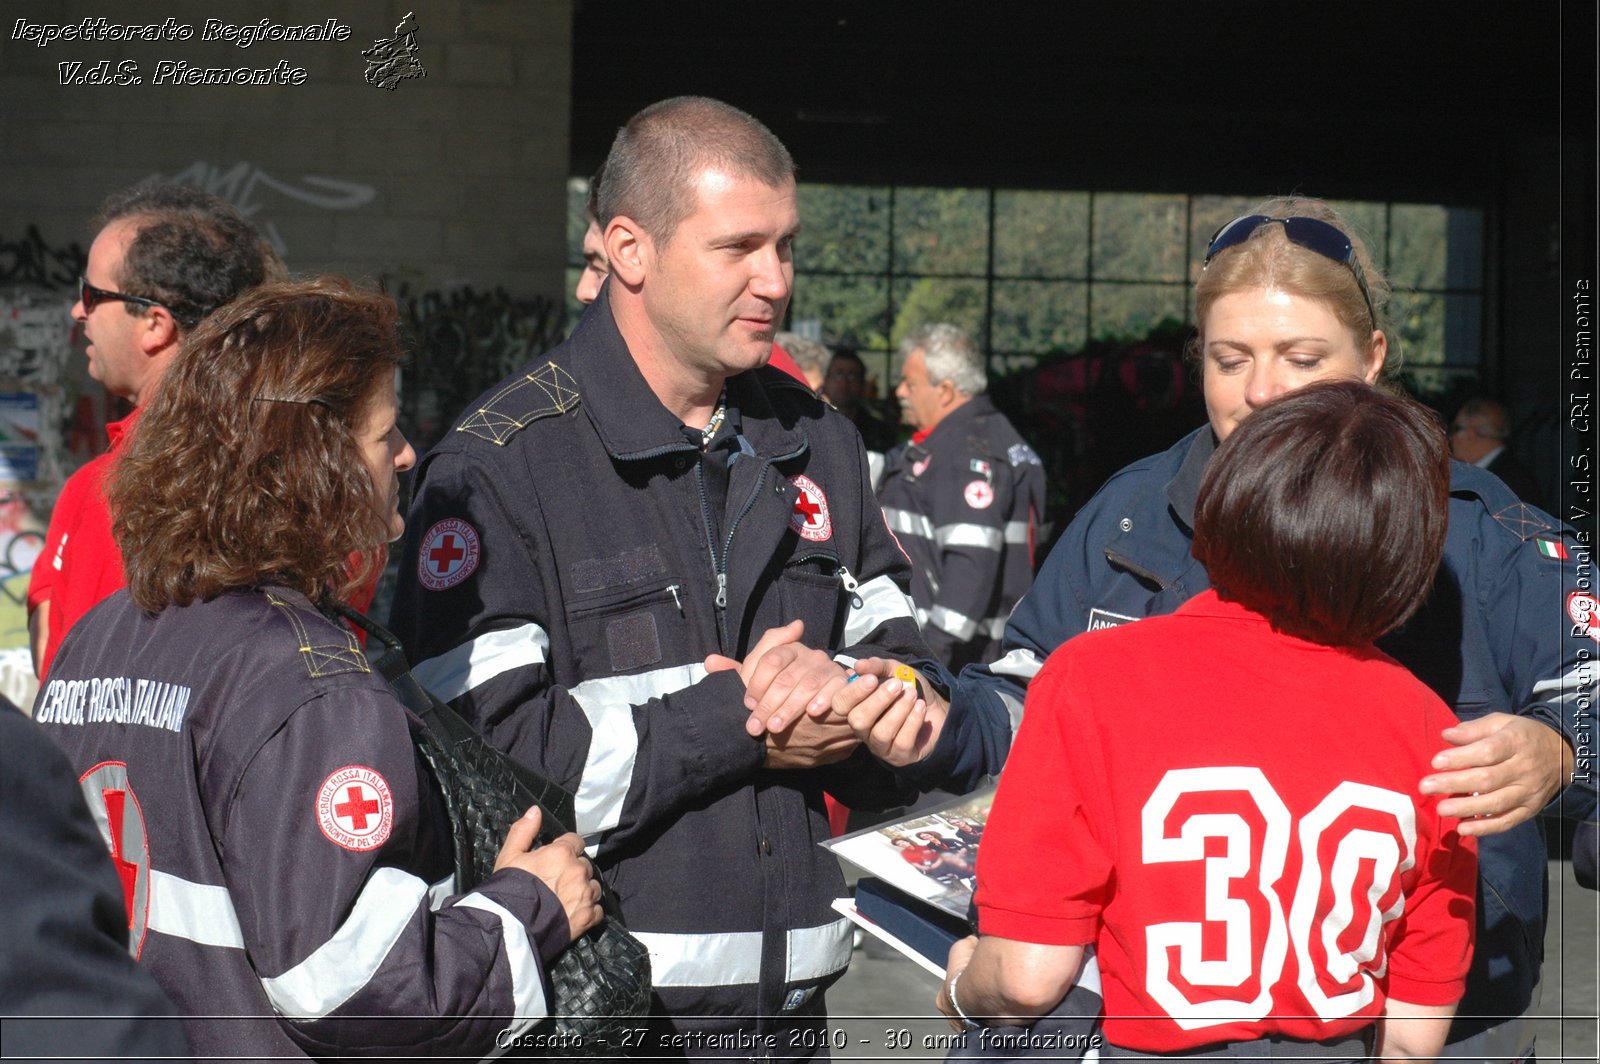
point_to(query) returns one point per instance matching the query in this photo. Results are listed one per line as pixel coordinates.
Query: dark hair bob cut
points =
(1325, 511)
(245, 468)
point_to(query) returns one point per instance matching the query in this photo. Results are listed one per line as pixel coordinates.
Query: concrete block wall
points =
(456, 177)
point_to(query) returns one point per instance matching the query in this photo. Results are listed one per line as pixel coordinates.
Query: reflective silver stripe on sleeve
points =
(477, 661)
(967, 535)
(608, 703)
(1013, 706)
(1021, 663)
(341, 966)
(441, 892)
(194, 911)
(522, 956)
(906, 523)
(815, 952)
(1571, 687)
(947, 620)
(964, 627)
(733, 958)
(881, 601)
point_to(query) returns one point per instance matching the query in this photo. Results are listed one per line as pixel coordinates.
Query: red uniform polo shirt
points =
(80, 563)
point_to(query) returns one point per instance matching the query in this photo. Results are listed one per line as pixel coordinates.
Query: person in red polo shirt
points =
(164, 258)
(1223, 802)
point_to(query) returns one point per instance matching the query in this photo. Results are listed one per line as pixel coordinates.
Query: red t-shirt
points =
(79, 564)
(1230, 816)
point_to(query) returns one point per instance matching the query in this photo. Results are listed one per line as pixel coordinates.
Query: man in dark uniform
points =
(965, 498)
(603, 560)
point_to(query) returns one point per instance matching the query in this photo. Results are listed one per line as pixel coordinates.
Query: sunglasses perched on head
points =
(1313, 234)
(93, 296)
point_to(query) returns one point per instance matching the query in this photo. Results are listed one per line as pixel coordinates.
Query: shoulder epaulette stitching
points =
(327, 658)
(1522, 521)
(549, 387)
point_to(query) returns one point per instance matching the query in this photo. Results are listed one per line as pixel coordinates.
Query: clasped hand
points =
(797, 695)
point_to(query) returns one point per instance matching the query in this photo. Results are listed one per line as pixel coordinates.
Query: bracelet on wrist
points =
(966, 1021)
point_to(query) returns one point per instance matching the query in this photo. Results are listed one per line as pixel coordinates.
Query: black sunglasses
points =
(92, 297)
(1313, 234)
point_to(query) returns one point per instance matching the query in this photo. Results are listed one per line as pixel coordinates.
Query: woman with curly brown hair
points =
(285, 856)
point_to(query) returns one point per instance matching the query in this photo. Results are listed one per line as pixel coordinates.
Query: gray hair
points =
(651, 170)
(807, 354)
(950, 355)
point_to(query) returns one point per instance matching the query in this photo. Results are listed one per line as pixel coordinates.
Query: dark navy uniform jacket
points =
(567, 570)
(285, 856)
(965, 504)
(67, 985)
(1505, 629)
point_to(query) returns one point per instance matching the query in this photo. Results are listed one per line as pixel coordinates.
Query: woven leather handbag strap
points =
(450, 729)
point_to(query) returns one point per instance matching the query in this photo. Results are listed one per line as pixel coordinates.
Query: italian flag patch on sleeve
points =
(1552, 549)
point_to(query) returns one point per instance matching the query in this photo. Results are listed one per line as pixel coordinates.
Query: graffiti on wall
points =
(243, 185)
(32, 261)
(466, 340)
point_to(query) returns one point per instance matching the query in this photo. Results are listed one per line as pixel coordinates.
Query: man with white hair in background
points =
(964, 498)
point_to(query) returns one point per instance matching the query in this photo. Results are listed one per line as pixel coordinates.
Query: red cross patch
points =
(355, 809)
(810, 517)
(979, 494)
(1584, 610)
(120, 817)
(448, 555)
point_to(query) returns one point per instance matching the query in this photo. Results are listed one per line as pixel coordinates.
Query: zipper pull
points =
(850, 584)
(722, 591)
(676, 601)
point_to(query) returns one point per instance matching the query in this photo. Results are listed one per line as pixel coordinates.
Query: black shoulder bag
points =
(601, 981)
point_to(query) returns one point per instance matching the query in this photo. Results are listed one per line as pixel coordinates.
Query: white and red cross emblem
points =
(355, 809)
(120, 818)
(979, 494)
(448, 555)
(810, 517)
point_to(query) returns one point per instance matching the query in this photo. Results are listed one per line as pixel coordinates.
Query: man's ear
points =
(159, 330)
(629, 250)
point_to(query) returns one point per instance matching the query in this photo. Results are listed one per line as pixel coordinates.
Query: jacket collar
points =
(1183, 490)
(952, 423)
(633, 423)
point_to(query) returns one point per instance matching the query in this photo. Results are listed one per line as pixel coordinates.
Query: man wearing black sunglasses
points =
(164, 257)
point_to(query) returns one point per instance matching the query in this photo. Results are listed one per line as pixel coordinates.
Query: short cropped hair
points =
(654, 161)
(192, 251)
(1325, 511)
(1269, 259)
(246, 468)
(591, 201)
(950, 355)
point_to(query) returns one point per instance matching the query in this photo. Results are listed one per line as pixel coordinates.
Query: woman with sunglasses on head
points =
(286, 857)
(1289, 296)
